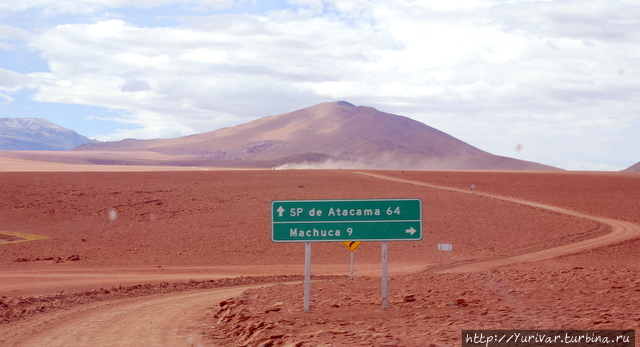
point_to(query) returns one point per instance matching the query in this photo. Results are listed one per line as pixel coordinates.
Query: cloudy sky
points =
(556, 82)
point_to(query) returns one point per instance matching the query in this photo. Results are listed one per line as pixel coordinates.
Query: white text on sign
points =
(337, 212)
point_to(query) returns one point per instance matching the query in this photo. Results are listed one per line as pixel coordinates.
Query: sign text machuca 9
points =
(346, 220)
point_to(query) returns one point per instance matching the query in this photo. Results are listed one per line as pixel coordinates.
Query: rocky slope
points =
(37, 134)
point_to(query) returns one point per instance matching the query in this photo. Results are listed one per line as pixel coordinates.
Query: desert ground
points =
(146, 257)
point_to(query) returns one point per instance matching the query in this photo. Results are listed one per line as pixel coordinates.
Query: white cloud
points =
(7, 46)
(494, 73)
(6, 99)
(77, 7)
(597, 20)
(136, 85)
(12, 81)
(8, 32)
(192, 72)
(206, 56)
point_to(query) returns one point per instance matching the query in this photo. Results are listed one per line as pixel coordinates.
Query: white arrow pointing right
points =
(411, 231)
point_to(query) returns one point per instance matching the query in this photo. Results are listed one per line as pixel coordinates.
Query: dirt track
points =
(160, 320)
(102, 323)
(620, 231)
(49, 280)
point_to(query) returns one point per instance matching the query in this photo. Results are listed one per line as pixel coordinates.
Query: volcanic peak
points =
(327, 132)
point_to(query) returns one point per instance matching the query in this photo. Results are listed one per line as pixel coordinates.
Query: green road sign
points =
(346, 220)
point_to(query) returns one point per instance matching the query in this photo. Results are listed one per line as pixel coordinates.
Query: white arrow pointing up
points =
(280, 211)
(411, 231)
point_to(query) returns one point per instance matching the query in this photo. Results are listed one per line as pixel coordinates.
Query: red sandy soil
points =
(174, 226)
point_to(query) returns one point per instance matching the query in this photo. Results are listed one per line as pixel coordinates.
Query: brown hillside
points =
(334, 132)
(634, 167)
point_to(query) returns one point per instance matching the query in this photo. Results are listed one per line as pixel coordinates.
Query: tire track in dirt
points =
(159, 320)
(620, 231)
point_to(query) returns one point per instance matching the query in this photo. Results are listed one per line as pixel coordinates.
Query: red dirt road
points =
(52, 280)
(620, 231)
(160, 320)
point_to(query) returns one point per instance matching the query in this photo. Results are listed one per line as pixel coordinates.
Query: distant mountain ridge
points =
(327, 135)
(37, 134)
(634, 167)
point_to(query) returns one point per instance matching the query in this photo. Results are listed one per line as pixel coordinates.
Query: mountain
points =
(634, 167)
(327, 135)
(37, 134)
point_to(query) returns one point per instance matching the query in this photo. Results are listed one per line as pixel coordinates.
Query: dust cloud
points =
(384, 162)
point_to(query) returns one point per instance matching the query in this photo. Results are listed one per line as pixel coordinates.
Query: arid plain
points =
(114, 236)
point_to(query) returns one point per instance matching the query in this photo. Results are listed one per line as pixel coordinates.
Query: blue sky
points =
(556, 82)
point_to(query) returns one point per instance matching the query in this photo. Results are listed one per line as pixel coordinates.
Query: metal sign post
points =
(352, 245)
(446, 247)
(352, 264)
(307, 277)
(385, 275)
